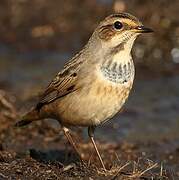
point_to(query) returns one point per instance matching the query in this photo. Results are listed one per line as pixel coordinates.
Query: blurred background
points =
(37, 37)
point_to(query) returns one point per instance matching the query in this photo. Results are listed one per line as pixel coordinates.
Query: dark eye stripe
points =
(111, 27)
(105, 27)
(106, 32)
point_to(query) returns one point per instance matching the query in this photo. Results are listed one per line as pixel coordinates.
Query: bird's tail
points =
(31, 116)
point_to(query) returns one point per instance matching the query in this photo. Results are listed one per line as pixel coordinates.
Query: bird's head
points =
(121, 28)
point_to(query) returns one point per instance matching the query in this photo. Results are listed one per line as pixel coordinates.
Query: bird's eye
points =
(118, 25)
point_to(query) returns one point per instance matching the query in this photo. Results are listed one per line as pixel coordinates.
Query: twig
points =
(161, 170)
(125, 165)
(143, 172)
(67, 168)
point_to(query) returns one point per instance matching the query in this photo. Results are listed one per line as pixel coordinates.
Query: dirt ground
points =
(40, 151)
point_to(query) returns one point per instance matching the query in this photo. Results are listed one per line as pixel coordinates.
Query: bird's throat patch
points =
(118, 72)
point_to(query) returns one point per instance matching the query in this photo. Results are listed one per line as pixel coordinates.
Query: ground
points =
(40, 151)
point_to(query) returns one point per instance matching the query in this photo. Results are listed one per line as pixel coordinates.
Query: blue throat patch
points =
(118, 72)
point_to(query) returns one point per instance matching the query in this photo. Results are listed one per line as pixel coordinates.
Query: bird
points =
(93, 85)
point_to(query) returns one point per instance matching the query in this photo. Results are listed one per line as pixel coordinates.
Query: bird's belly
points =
(94, 104)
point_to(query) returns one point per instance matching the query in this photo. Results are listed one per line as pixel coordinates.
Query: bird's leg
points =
(91, 136)
(70, 139)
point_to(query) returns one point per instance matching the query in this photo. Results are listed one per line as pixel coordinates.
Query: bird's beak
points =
(143, 29)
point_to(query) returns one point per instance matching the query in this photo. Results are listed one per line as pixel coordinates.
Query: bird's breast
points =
(100, 98)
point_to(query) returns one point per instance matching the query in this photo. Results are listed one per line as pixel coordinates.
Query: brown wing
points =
(63, 84)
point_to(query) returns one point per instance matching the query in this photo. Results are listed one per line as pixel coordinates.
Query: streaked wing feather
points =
(63, 84)
(59, 89)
